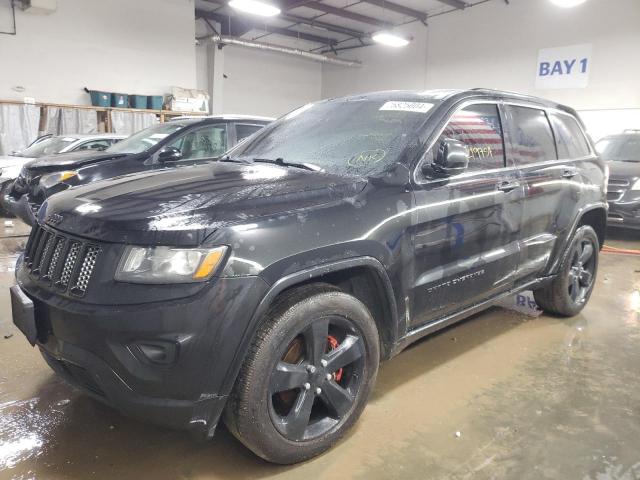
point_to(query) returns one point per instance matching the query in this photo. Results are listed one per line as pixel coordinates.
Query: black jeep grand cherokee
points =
(266, 287)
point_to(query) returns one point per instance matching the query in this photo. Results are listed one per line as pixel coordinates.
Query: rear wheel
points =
(307, 376)
(569, 292)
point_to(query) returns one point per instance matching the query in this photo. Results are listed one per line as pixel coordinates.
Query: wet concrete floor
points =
(502, 395)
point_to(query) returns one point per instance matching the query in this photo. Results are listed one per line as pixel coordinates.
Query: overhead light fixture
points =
(255, 7)
(568, 3)
(390, 39)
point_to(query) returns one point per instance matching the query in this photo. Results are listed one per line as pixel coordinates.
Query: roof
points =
(444, 94)
(226, 117)
(88, 136)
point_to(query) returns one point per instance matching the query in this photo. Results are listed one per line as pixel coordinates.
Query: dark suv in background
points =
(180, 142)
(265, 288)
(622, 152)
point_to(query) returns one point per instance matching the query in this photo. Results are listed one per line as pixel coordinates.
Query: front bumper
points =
(20, 207)
(624, 214)
(166, 362)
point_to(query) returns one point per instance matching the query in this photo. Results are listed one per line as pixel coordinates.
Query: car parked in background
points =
(172, 144)
(11, 164)
(266, 287)
(622, 152)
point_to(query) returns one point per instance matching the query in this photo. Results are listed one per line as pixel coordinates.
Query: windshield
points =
(620, 148)
(47, 147)
(343, 137)
(147, 138)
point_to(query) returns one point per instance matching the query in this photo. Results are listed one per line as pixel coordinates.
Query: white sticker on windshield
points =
(159, 135)
(417, 107)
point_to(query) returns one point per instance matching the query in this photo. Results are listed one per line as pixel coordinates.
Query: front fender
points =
(300, 277)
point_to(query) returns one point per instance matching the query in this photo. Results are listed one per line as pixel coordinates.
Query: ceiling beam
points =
(312, 22)
(401, 9)
(236, 27)
(307, 21)
(290, 4)
(340, 12)
(459, 4)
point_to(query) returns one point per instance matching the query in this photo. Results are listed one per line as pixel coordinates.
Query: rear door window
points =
(531, 137)
(570, 139)
(479, 127)
(244, 130)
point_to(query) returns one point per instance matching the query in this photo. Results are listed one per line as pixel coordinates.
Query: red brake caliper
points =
(332, 345)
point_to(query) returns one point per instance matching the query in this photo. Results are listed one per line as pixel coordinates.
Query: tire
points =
(3, 190)
(268, 406)
(570, 290)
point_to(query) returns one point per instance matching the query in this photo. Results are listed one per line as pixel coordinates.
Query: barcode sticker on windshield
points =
(417, 107)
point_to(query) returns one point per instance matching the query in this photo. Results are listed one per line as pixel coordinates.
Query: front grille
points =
(66, 263)
(616, 188)
(614, 196)
(618, 182)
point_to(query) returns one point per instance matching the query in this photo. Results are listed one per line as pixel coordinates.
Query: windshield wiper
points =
(227, 158)
(282, 163)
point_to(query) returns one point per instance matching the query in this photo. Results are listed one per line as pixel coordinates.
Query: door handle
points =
(507, 187)
(569, 173)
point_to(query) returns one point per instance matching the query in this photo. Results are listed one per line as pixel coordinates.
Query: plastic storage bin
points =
(120, 100)
(138, 101)
(99, 99)
(154, 102)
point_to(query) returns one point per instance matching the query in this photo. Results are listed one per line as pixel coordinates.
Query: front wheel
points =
(569, 292)
(307, 376)
(4, 189)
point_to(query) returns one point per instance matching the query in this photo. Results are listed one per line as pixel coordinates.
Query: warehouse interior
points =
(510, 391)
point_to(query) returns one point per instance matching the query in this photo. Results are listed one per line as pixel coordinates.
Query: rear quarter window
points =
(570, 139)
(531, 137)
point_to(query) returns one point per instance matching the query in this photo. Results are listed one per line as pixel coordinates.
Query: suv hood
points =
(59, 161)
(184, 205)
(624, 169)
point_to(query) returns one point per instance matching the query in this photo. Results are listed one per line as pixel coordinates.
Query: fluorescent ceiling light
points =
(390, 39)
(255, 7)
(568, 3)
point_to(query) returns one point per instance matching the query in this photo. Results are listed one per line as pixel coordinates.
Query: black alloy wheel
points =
(307, 375)
(569, 290)
(581, 273)
(315, 383)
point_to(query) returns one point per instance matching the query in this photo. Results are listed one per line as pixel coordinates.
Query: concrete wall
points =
(496, 45)
(257, 82)
(142, 46)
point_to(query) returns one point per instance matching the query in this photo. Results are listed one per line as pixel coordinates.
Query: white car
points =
(11, 164)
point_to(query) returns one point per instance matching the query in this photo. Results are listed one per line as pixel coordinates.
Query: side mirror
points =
(452, 158)
(169, 154)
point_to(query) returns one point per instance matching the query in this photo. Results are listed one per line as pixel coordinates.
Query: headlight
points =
(168, 264)
(636, 186)
(52, 179)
